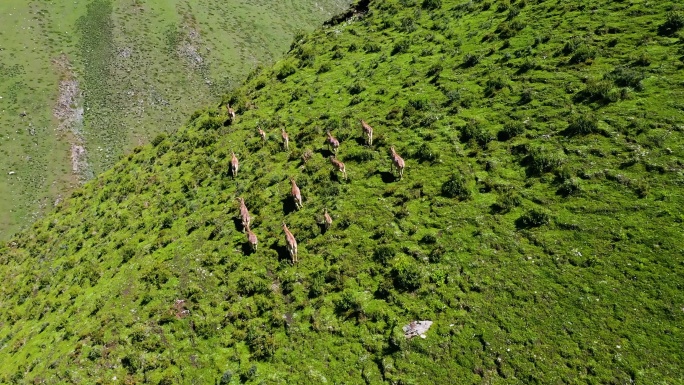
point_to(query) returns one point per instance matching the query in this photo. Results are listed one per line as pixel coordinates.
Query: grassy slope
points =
(135, 62)
(559, 260)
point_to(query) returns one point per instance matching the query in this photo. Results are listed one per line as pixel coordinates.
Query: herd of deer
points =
(333, 146)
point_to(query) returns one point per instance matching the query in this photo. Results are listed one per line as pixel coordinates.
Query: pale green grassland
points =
(135, 67)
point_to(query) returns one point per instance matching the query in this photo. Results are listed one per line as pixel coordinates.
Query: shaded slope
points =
(538, 223)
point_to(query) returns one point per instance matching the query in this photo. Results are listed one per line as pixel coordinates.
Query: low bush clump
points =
(431, 4)
(541, 160)
(583, 124)
(512, 129)
(674, 21)
(402, 46)
(569, 187)
(474, 131)
(583, 54)
(533, 218)
(456, 187)
(626, 77)
(286, 70)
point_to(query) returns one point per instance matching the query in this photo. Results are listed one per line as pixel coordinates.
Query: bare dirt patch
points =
(69, 112)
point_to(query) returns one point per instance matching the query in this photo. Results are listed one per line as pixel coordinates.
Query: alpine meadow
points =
(418, 192)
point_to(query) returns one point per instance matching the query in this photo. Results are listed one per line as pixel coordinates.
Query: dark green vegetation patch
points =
(538, 223)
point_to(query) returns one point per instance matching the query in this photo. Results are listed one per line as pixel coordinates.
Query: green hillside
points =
(538, 223)
(83, 82)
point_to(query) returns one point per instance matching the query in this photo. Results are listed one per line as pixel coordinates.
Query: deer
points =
(397, 162)
(262, 134)
(252, 240)
(296, 194)
(339, 166)
(332, 142)
(244, 215)
(286, 139)
(327, 220)
(231, 111)
(291, 243)
(234, 164)
(367, 131)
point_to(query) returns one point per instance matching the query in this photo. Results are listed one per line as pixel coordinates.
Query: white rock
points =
(417, 328)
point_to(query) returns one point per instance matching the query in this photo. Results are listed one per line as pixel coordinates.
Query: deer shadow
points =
(289, 205)
(283, 254)
(237, 222)
(247, 249)
(386, 176)
(325, 153)
(361, 141)
(336, 176)
(322, 228)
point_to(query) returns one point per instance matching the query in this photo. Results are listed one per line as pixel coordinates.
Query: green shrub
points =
(407, 25)
(371, 47)
(226, 378)
(286, 70)
(474, 131)
(674, 21)
(126, 254)
(456, 187)
(470, 60)
(426, 153)
(511, 129)
(626, 77)
(583, 54)
(431, 4)
(512, 13)
(406, 276)
(600, 91)
(158, 139)
(261, 344)
(495, 84)
(324, 67)
(383, 254)
(356, 88)
(583, 124)
(420, 104)
(434, 69)
(541, 160)
(348, 302)
(572, 45)
(208, 123)
(569, 187)
(506, 202)
(402, 46)
(533, 218)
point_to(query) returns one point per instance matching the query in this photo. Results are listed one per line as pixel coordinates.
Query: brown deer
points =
(397, 162)
(332, 142)
(244, 215)
(339, 166)
(286, 139)
(291, 243)
(367, 131)
(234, 164)
(327, 220)
(252, 239)
(262, 134)
(296, 194)
(231, 111)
